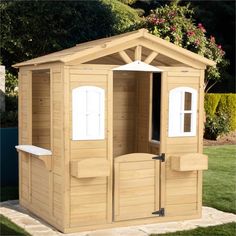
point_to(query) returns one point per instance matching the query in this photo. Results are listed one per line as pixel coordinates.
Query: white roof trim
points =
(138, 66)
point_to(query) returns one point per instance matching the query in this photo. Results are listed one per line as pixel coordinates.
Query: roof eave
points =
(179, 49)
(28, 63)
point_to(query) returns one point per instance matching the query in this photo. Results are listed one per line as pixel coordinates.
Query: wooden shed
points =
(110, 133)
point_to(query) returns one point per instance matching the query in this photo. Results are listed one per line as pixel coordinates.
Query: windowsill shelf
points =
(37, 152)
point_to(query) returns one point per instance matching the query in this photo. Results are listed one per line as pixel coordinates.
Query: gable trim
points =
(103, 47)
(137, 66)
(140, 42)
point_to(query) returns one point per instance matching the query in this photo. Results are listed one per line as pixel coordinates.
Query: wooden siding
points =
(41, 109)
(124, 112)
(143, 112)
(57, 120)
(25, 133)
(90, 198)
(40, 122)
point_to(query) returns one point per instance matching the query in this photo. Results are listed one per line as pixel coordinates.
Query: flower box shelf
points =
(91, 167)
(189, 162)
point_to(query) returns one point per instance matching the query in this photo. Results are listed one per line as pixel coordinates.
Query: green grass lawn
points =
(219, 186)
(219, 230)
(9, 228)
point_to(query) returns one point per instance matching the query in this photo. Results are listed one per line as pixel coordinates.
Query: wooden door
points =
(181, 192)
(137, 184)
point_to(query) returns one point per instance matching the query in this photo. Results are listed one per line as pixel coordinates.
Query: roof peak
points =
(109, 45)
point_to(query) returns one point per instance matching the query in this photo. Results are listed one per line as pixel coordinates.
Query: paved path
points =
(35, 227)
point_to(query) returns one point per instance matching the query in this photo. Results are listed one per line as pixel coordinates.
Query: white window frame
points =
(176, 112)
(80, 113)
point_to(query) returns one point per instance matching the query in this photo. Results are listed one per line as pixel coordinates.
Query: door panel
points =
(172, 199)
(136, 186)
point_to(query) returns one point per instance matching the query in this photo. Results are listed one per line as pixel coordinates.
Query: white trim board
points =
(37, 151)
(137, 66)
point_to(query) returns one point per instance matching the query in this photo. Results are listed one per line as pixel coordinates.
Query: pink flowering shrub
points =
(175, 24)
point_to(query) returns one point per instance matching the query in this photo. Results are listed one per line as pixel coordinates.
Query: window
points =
(87, 113)
(182, 112)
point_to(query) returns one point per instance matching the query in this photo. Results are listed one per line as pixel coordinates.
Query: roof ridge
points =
(81, 51)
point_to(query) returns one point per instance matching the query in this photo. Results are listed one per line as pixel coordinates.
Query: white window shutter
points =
(88, 113)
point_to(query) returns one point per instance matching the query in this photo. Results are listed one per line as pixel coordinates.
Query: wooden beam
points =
(125, 57)
(138, 53)
(174, 54)
(150, 57)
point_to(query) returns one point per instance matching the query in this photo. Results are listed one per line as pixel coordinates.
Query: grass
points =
(9, 228)
(219, 230)
(9, 193)
(219, 183)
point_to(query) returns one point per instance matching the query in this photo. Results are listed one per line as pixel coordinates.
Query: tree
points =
(219, 19)
(33, 28)
(128, 2)
(175, 23)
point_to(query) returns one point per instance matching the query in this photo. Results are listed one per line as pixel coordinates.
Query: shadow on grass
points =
(6, 230)
(9, 228)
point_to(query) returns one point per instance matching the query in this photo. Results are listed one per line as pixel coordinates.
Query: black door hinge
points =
(161, 212)
(160, 157)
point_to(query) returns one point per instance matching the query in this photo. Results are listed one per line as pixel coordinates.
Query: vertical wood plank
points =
(50, 180)
(201, 112)
(200, 138)
(116, 190)
(29, 121)
(157, 185)
(110, 143)
(163, 136)
(20, 132)
(164, 109)
(138, 53)
(66, 146)
(163, 185)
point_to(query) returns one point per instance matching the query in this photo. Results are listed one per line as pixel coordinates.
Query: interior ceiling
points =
(115, 59)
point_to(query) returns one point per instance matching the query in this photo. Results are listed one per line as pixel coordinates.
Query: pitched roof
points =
(94, 47)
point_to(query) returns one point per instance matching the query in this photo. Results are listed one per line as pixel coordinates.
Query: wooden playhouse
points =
(110, 133)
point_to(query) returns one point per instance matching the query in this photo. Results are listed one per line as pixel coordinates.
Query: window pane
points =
(187, 122)
(187, 101)
(93, 100)
(93, 125)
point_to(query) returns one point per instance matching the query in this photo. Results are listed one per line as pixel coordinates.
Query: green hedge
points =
(227, 105)
(221, 105)
(211, 103)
